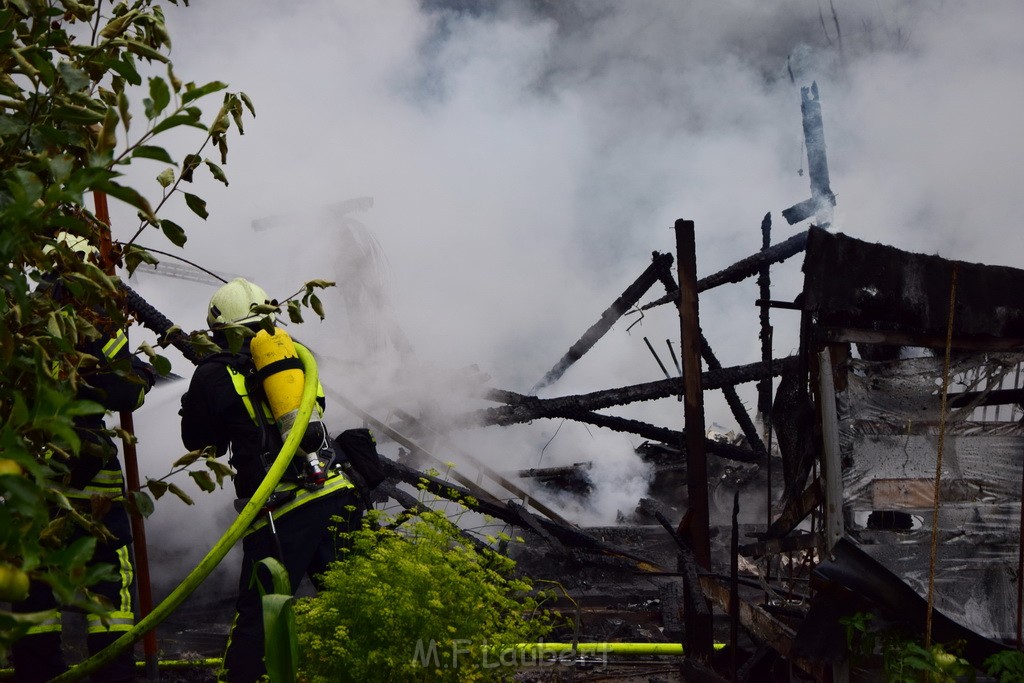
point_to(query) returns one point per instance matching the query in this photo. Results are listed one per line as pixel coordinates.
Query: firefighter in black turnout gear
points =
(229, 405)
(93, 484)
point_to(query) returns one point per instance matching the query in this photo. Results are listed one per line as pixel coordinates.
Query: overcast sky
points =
(524, 160)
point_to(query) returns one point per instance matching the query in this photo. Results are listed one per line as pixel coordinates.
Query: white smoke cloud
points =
(525, 159)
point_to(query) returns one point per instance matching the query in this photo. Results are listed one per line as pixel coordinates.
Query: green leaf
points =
(11, 126)
(295, 312)
(174, 232)
(176, 490)
(152, 152)
(190, 164)
(194, 93)
(159, 97)
(122, 108)
(142, 502)
(177, 120)
(248, 103)
(188, 458)
(29, 188)
(134, 255)
(165, 177)
(217, 171)
(129, 195)
(318, 308)
(220, 470)
(197, 204)
(75, 80)
(159, 488)
(161, 365)
(118, 25)
(145, 51)
(204, 480)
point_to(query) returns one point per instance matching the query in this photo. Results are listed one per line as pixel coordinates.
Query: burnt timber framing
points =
(854, 293)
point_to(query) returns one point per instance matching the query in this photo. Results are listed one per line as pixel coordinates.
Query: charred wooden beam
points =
(568, 535)
(764, 628)
(742, 269)
(739, 411)
(532, 408)
(927, 341)
(797, 510)
(412, 507)
(626, 300)
(529, 521)
(670, 437)
(576, 469)
(787, 544)
(410, 444)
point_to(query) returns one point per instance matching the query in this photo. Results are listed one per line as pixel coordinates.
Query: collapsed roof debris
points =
(904, 361)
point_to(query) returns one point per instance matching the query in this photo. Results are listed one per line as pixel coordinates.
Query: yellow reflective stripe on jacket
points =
(107, 482)
(122, 618)
(334, 483)
(238, 381)
(51, 624)
(111, 348)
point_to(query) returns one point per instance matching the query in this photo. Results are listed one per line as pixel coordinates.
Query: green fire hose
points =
(230, 537)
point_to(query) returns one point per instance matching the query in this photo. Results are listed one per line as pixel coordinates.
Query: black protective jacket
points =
(118, 382)
(214, 414)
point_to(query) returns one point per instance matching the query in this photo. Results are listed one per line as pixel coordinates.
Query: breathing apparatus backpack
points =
(279, 373)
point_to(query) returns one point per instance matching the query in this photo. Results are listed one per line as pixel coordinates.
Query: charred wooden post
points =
(734, 587)
(626, 300)
(764, 391)
(697, 616)
(742, 269)
(693, 396)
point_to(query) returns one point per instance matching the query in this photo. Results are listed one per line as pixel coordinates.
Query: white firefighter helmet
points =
(233, 303)
(76, 243)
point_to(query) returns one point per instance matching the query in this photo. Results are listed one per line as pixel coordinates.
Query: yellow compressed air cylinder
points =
(284, 387)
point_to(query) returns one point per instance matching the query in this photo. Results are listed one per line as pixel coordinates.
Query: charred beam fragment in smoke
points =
(742, 269)
(671, 437)
(532, 407)
(626, 300)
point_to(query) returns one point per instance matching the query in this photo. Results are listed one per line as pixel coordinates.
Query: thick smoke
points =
(524, 160)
